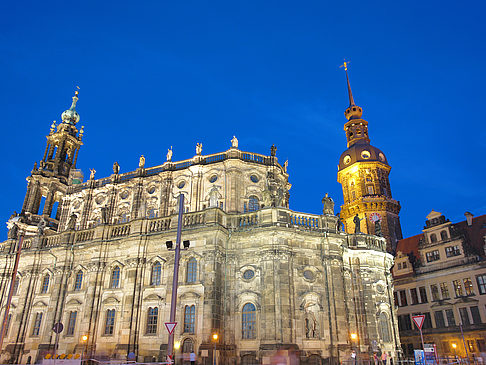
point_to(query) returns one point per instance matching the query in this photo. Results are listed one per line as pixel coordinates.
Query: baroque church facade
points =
(262, 276)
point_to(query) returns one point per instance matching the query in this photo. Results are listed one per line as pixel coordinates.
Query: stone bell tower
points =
(363, 174)
(48, 182)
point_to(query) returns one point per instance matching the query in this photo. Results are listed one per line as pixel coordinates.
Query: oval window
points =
(365, 154)
(151, 190)
(347, 159)
(181, 184)
(124, 194)
(213, 178)
(309, 275)
(248, 274)
(254, 178)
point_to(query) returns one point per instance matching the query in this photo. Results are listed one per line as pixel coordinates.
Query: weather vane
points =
(345, 65)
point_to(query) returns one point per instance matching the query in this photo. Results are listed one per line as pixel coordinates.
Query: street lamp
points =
(84, 338)
(354, 337)
(215, 339)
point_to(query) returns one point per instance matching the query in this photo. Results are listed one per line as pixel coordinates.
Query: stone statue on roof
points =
(141, 162)
(234, 142)
(169, 154)
(198, 149)
(116, 168)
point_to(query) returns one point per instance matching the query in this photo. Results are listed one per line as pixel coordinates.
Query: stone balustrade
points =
(266, 217)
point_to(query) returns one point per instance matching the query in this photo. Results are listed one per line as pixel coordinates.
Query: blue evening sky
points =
(156, 73)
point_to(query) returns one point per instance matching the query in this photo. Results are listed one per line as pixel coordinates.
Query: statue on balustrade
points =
(169, 154)
(72, 222)
(328, 205)
(198, 149)
(104, 215)
(141, 162)
(357, 223)
(378, 228)
(234, 142)
(92, 174)
(273, 150)
(116, 168)
(41, 226)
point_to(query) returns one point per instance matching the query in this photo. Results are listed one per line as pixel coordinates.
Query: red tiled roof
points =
(410, 244)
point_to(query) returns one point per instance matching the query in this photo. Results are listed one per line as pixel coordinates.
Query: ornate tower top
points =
(71, 116)
(356, 128)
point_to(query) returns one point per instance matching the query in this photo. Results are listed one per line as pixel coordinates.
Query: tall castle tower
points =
(363, 173)
(48, 182)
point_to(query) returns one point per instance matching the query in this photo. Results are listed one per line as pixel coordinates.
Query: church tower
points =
(49, 181)
(363, 174)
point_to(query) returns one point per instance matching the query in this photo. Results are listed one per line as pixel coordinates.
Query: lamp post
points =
(454, 347)
(175, 280)
(215, 339)
(354, 337)
(84, 338)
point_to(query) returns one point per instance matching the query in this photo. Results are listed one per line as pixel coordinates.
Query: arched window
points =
(16, 286)
(123, 218)
(433, 238)
(191, 270)
(189, 318)
(152, 319)
(253, 203)
(115, 278)
(151, 213)
(248, 321)
(110, 322)
(187, 346)
(78, 281)
(443, 235)
(37, 324)
(156, 274)
(45, 284)
(384, 327)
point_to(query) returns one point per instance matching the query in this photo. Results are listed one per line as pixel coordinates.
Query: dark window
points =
(187, 346)
(152, 317)
(191, 270)
(37, 324)
(439, 319)
(443, 235)
(248, 321)
(79, 280)
(476, 317)
(71, 323)
(45, 284)
(432, 256)
(451, 321)
(481, 279)
(434, 289)
(464, 316)
(481, 345)
(404, 323)
(452, 251)
(189, 319)
(115, 278)
(427, 320)
(403, 298)
(156, 274)
(433, 238)
(395, 299)
(423, 294)
(253, 204)
(414, 295)
(110, 322)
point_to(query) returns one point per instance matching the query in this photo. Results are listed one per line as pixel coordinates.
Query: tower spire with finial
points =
(350, 93)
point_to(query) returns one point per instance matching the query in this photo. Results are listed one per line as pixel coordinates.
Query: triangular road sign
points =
(170, 326)
(419, 320)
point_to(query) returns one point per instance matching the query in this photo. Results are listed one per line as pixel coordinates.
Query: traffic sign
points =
(170, 326)
(58, 327)
(418, 320)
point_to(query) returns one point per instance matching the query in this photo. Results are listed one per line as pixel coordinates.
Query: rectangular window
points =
(9, 319)
(414, 295)
(452, 251)
(476, 317)
(481, 279)
(470, 345)
(434, 289)
(464, 316)
(457, 288)
(152, 319)
(403, 298)
(71, 323)
(439, 319)
(468, 287)
(110, 322)
(481, 345)
(451, 321)
(37, 324)
(444, 289)
(432, 256)
(427, 320)
(371, 191)
(423, 294)
(189, 318)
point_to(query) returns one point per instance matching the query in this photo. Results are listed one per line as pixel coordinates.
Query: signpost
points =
(57, 328)
(419, 321)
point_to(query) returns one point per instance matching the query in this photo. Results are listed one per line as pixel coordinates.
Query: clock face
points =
(374, 217)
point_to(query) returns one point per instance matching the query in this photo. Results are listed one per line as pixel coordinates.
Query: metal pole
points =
(175, 280)
(463, 340)
(214, 354)
(422, 337)
(10, 292)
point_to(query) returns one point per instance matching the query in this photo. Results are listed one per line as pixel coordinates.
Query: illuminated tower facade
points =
(49, 180)
(363, 174)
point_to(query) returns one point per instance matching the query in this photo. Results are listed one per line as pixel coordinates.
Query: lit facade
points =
(441, 274)
(260, 275)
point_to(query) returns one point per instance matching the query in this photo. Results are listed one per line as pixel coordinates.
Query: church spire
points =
(350, 93)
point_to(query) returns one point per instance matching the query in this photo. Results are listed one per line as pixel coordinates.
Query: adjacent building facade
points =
(264, 277)
(441, 274)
